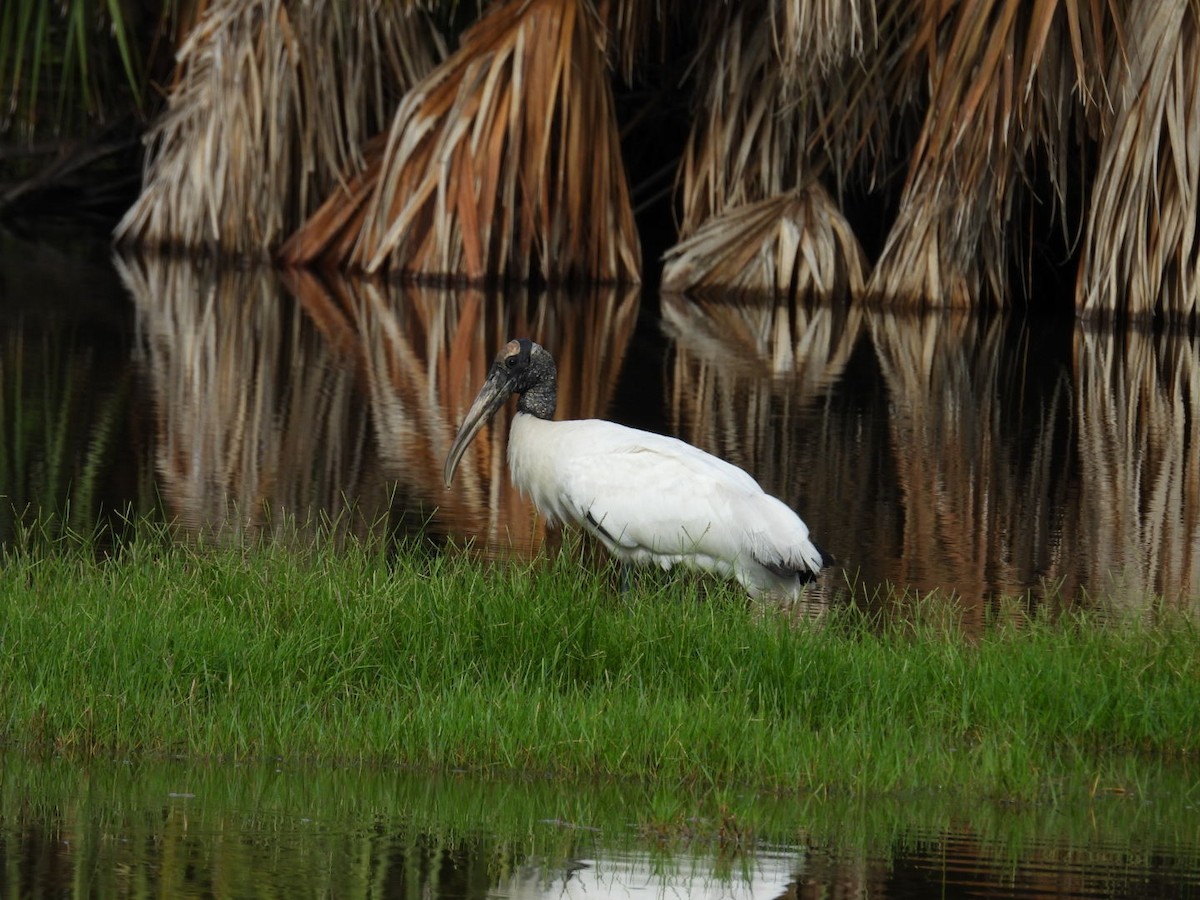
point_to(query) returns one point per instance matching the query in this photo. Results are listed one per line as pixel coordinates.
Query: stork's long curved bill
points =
(495, 391)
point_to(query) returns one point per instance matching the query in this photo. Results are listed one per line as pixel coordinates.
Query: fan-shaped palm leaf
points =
(792, 245)
(998, 71)
(272, 104)
(1142, 250)
(502, 164)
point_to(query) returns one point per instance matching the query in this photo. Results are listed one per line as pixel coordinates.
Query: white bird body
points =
(655, 499)
(649, 498)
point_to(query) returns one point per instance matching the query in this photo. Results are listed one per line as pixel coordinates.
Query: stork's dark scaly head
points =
(521, 367)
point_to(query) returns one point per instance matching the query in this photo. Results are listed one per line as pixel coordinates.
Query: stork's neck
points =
(541, 398)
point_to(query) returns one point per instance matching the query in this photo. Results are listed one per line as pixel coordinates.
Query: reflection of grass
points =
(57, 439)
(285, 830)
(441, 662)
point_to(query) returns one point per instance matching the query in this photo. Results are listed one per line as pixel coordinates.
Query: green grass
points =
(441, 662)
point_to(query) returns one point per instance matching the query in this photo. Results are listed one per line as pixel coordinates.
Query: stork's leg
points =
(626, 577)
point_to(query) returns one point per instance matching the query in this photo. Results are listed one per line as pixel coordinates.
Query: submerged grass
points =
(442, 662)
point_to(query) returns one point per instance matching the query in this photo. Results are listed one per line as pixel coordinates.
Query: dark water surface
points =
(180, 830)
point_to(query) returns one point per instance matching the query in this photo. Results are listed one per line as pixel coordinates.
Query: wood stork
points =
(647, 497)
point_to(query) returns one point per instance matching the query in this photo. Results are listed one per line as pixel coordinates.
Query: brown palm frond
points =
(814, 37)
(271, 105)
(332, 229)
(631, 26)
(761, 137)
(762, 130)
(791, 246)
(747, 141)
(859, 111)
(997, 70)
(503, 163)
(1141, 250)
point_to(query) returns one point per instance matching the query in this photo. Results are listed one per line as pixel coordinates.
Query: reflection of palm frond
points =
(253, 414)
(805, 343)
(426, 350)
(272, 102)
(794, 245)
(484, 176)
(974, 493)
(931, 477)
(1142, 252)
(1140, 492)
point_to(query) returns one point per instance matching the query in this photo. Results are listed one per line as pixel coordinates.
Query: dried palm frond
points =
(271, 105)
(791, 246)
(254, 415)
(631, 26)
(503, 164)
(999, 71)
(747, 142)
(1139, 492)
(763, 126)
(762, 135)
(814, 37)
(859, 113)
(1141, 251)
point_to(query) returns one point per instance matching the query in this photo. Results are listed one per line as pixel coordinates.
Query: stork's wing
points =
(666, 497)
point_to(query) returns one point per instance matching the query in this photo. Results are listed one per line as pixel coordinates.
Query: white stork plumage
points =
(647, 497)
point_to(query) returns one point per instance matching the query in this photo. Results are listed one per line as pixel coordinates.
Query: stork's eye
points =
(511, 362)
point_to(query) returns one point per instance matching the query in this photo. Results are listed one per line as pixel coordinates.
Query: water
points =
(180, 830)
(985, 457)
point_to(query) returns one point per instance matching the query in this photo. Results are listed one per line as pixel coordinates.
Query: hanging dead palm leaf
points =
(1142, 252)
(998, 71)
(791, 246)
(814, 37)
(746, 143)
(271, 105)
(761, 135)
(502, 164)
(631, 28)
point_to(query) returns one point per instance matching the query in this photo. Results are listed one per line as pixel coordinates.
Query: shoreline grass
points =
(442, 662)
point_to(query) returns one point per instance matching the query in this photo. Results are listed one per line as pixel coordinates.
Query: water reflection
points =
(426, 352)
(177, 829)
(978, 456)
(255, 413)
(956, 452)
(1139, 493)
(71, 441)
(335, 399)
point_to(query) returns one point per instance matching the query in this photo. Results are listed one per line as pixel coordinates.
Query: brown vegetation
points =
(970, 138)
